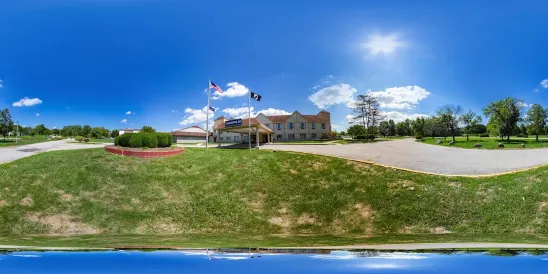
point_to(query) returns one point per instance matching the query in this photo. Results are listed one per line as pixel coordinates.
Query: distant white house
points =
(128, 130)
(191, 134)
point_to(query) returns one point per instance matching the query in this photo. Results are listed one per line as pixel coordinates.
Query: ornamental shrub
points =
(164, 139)
(136, 140)
(123, 140)
(148, 140)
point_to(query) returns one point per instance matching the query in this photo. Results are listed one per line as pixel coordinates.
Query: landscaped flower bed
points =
(145, 153)
(144, 145)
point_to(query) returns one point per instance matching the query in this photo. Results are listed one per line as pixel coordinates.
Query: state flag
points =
(255, 96)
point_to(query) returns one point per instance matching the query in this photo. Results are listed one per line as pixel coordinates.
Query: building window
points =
(278, 137)
(313, 125)
(290, 125)
(291, 136)
(323, 126)
(237, 139)
(268, 125)
(221, 138)
(303, 125)
(279, 126)
(228, 138)
(245, 138)
(313, 135)
(303, 136)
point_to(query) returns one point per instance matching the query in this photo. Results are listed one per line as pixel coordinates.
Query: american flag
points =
(215, 87)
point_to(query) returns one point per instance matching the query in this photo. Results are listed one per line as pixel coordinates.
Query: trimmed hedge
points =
(143, 139)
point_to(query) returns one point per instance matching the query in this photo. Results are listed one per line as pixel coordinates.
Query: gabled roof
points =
(219, 118)
(278, 118)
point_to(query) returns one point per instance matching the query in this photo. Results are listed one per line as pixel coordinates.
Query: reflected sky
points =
(207, 262)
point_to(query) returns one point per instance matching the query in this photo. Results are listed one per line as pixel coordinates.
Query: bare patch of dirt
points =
(542, 206)
(293, 171)
(282, 221)
(283, 210)
(318, 165)
(64, 196)
(407, 230)
(534, 179)
(361, 166)
(401, 184)
(364, 210)
(62, 224)
(2, 203)
(27, 201)
(306, 219)
(257, 204)
(440, 230)
(160, 226)
(454, 184)
(6, 188)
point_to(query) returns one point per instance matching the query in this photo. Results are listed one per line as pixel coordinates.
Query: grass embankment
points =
(25, 140)
(236, 194)
(489, 142)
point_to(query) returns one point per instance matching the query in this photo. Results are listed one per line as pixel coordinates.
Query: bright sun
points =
(383, 44)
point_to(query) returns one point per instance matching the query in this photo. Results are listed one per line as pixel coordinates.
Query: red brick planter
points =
(151, 153)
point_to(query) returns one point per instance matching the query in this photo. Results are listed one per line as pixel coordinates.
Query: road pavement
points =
(8, 154)
(408, 154)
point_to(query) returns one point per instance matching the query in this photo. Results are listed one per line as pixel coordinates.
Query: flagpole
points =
(207, 114)
(249, 119)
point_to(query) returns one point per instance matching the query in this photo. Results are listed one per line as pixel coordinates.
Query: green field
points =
(232, 196)
(490, 142)
(25, 140)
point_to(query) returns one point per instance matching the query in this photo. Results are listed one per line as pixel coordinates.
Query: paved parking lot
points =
(417, 156)
(9, 154)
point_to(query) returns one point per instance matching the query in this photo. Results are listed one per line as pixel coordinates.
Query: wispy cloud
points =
(124, 121)
(544, 83)
(383, 44)
(332, 95)
(234, 89)
(27, 102)
(128, 112)
(37, 114)
(1, 86)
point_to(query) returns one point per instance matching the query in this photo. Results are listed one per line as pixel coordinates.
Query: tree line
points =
(504, 119)
(8, 127)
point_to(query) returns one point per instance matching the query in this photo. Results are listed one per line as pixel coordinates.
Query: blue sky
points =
(91, 62)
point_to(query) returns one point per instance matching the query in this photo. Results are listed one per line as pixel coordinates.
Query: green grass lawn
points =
(489, 142)
(229, 197)
(105, 140)
(26, 140)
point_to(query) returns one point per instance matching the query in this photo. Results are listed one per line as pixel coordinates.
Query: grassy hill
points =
(238, 192)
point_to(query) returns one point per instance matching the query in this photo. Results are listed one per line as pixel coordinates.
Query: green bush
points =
(123, 140)
(484, 135)
(79, 138)
(136, 140)
(149, 140)
(164, 139)
(522, 135)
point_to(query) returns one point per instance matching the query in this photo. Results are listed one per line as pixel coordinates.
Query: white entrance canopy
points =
(257, 128)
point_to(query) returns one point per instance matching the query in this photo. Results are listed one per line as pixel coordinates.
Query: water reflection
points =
(271, 261)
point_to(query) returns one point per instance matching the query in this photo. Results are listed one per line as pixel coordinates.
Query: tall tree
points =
(434, 127)
(470, 120)
(503, 116)
(418, 127)
(408, 124)
(391, 127)
(367, 112)
(384, 128)
(450, 116)
(6, 123)
(41, 130)
(114, 133)
(536, 118)
(86, 131)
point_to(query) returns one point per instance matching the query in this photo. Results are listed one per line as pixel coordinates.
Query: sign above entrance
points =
(233, 123)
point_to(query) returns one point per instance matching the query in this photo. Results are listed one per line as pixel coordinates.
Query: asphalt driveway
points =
(9, 154)
(412, 155)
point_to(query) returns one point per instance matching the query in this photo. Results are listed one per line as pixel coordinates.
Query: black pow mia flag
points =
(255, 96)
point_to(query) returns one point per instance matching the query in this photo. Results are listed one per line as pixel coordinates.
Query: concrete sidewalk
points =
(416, 156)
(9, 154)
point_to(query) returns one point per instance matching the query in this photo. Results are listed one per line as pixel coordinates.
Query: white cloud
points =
(194, 116)
(237, 112)
(129, 112)
(400, 97)
(386, 45)
(124, 121)
(324, 82)
(273, 111)
(27, 102)
(522, 104)
(235, 90)
(335, 94)
(1, 86)
(37, 114)
(535, 90)
(174, 111)
(400, 116)
(544, 83)
(349, 118)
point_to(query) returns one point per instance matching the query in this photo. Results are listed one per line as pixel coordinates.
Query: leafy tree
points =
(434, 127)
(470, 120)
(523, 129)
(450, 116)
(478, 129)
(384, 128)
(418, 127)
(503, 116)
(41, 130)
(6, 123)
(367, 113)
(55, 131)
(536, 118)
(86, 131)
(401, 129)
(391, 127)
(114, 133)
(356, 130)
(148, 129)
